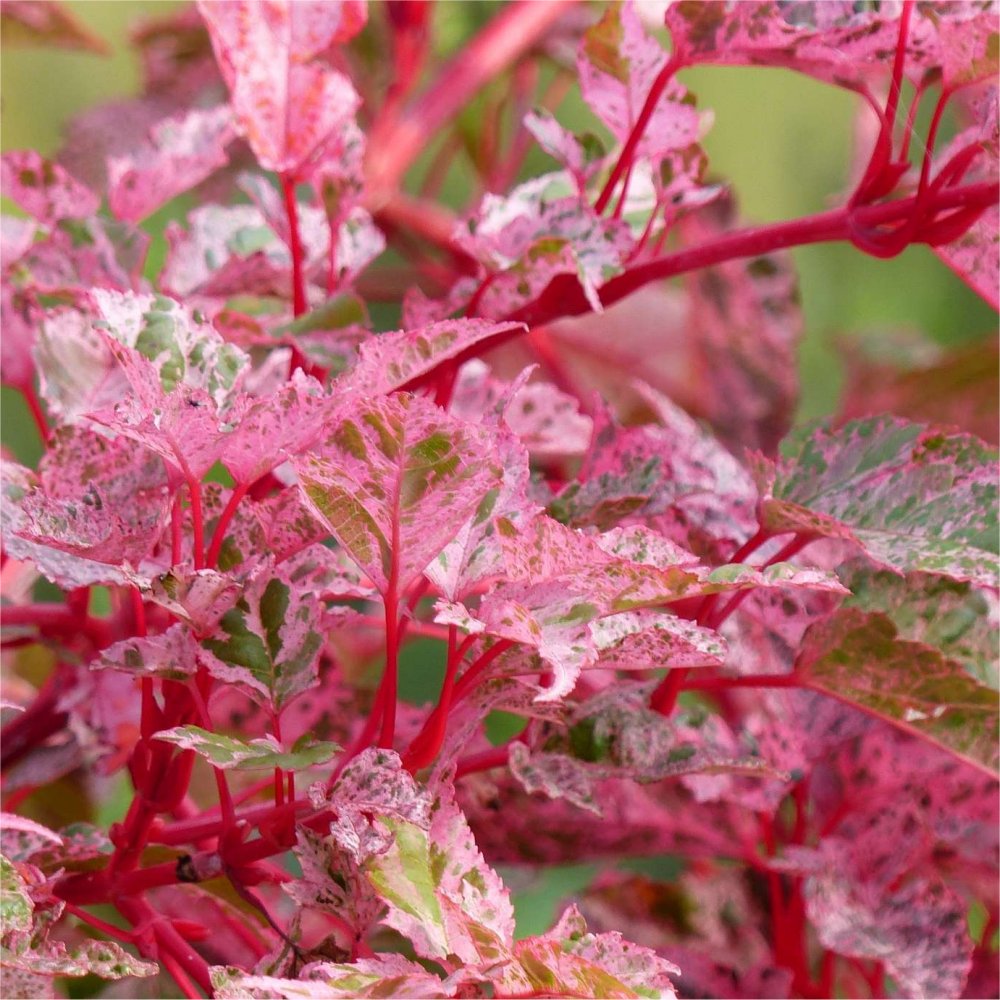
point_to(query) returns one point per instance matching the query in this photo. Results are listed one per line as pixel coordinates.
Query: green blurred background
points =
(783, 141)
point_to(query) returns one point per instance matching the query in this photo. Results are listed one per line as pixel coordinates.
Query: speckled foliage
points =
(746, 671)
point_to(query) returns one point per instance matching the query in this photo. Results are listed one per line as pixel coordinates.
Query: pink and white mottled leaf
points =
(198, 597)
(582, 156)
(837, 42)
(172, 654)
(918, 931)
(975, 255)
(332, 881)
(22, 838)
(180, 153)
(859, 658)
(648, 640)
(385, 976)
(77, 371)
(390, 361)
(390, 481)
(223, 251)
(537, 231)
(618, 64)
(82, 254)
(16, 235)
(474, 555)
(105, 959)
(43, 189)
(287, 101)
(951, 616)
(913, 497)
(677, 472)
(267, 431)
(96, 498)
(570, 961)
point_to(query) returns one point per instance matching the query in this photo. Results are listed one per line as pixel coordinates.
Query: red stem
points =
(390, 680)
(197, 522)
(563, 296)
(795, 546)
(37, 413)
(475, 670)
(394, 144)
(701, 683)
(117, 933)
(168, 941)
(299, 305)
(895, 88)
(627, 155)
(239, 492)
(427, 742)
(483, 761)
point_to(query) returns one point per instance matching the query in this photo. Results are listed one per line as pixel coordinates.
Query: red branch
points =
(394, 144)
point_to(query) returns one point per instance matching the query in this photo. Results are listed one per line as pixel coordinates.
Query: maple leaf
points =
(286, 100)
(391, 361)
(391, 479)
(858, 657)
(268, 642)
(913, 497)
(43, 189)
(618, 63)
(181, 152)
(918, 931)
(837, 42)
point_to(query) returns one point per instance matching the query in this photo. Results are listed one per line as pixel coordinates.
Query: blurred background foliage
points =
(784, 143)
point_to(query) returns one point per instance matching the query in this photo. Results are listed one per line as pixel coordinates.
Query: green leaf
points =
(914, 498)
(951, 616)
(256, 755)
(859, 658)
(268, 643)
(15, 903)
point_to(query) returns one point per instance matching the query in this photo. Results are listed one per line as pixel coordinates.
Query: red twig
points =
(299, 305)
(395, 144)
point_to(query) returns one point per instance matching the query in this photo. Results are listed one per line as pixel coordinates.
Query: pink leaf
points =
(44, 189)
(181, 152)
(390, 361)
(919, 931)
(440, 892)
(391, 480)
(975, 255)
(570, 960)
(913, 497)
(286, 99)
(618, 63)
(538, 231)
(835, 42)
(171, 654)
